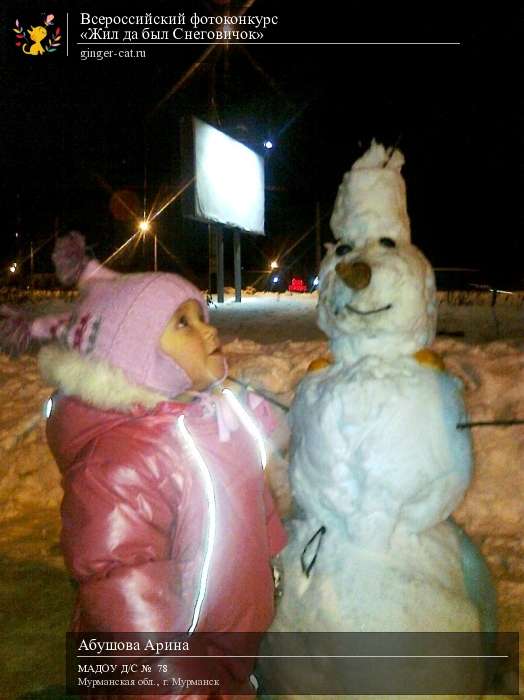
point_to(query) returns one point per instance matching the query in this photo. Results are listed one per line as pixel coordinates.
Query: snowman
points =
(377, 463)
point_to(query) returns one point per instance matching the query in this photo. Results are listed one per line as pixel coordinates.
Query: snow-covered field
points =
(269, 340)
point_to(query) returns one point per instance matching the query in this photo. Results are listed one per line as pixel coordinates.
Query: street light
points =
(274, 265)
(145, 227)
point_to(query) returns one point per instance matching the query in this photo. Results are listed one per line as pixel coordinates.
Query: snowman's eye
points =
(388, 243)
(343, 250)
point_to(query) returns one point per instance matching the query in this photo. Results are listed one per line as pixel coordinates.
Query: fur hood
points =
(94, 381)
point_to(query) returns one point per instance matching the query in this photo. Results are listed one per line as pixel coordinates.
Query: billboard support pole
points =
(212, 265)
(238, 263)
(220, 264)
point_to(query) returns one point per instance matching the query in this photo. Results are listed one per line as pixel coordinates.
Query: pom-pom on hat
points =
(371, 200)
(69, 258)
(118, 318)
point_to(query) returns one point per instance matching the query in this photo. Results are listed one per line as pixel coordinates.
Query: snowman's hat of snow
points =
(371, 200)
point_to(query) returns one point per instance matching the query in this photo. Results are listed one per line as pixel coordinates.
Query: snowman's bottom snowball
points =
(416, 586)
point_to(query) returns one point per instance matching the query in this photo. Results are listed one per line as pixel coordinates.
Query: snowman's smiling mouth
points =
(367, 313)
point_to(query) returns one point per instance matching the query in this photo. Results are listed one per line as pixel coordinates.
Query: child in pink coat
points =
(167, 522)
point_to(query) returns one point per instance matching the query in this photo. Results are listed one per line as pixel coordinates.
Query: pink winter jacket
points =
(145, 507)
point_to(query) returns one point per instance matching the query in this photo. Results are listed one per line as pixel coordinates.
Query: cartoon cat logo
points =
(33, 40)
(36, 34)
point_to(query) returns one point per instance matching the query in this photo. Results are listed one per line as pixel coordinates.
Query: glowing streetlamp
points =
(268, 144)
(274, 265)
(145, 227)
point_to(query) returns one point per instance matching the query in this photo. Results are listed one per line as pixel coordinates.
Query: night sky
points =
(75, 131)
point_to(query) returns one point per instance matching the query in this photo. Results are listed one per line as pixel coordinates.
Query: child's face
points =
(194, 345)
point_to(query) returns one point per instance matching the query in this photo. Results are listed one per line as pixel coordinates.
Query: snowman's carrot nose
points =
(356, 275)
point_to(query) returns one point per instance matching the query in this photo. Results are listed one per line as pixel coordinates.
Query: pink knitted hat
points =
(120, 318)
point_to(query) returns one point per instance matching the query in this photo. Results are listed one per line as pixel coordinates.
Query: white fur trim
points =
(94, 381)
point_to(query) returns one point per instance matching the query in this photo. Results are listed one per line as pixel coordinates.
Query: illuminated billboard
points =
(229, 180)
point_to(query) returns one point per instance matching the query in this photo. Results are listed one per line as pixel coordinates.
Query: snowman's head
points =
(377, 298)
(377, 291)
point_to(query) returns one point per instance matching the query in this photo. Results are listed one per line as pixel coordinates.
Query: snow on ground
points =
(269, 340)
(267, 317)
